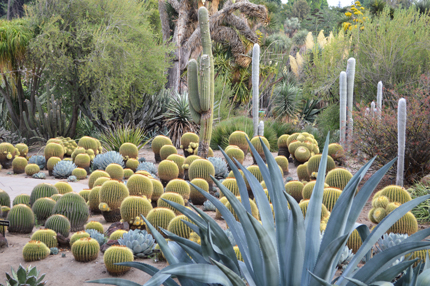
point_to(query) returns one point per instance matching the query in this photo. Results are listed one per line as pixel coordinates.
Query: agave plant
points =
(63, 169)
(114, 136)
(178, 118)
(23, 276)
(287, 250)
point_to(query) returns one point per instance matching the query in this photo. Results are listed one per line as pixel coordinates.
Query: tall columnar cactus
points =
(201, 96)
(379, 98)
(350, 73)
(401, 138)
(255, 85)
(342, 96)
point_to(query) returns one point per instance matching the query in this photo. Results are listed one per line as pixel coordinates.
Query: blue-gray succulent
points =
(101, 161)
(39, 160)
(147, 166)
(208, 206)
(390, 240)
(101, 239)
(139, 241)
(63, 169)
(39, 175)
(221, 170)
(72, 179)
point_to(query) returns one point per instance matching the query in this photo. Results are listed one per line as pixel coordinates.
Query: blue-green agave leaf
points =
(114, 281)
(204, 273)
(295, 240)
(392, 272)
(236, 228)
(262, 203)
(313, 218)
(377, 232)
(371, 269)
(233, 277)
(329, 258)
(424, 278)
(240, 182)
(364, 194)
(275, 186)
(271, 266)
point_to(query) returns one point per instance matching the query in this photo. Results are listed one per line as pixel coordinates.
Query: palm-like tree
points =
(226, 26)
(15, 36)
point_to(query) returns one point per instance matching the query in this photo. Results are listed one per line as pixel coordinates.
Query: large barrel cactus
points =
(74, 207)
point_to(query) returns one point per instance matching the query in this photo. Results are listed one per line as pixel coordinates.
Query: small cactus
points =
(34, 251)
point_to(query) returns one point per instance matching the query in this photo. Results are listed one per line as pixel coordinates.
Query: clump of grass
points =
(421, 211)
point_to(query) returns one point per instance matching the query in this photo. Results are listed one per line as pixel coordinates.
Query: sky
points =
(343, 3)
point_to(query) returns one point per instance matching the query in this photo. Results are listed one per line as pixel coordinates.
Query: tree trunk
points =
(164, 18)
(174, 75)
(8, 10)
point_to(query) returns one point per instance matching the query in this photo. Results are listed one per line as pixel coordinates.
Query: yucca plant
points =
(178, 118)
(287, 251)
(114, 136)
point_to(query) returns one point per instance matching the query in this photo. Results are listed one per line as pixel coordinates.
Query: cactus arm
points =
(53, 113)
(255, 85)
(342, 99)
(48, 118)
(28, 126)
(205, 86)
(350, 71)
(193, 86)
(401, 139)
(372, 109)
(31, 122)
(205, 32)
(40, 125)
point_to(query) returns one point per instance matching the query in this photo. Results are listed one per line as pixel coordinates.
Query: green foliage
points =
(300, 9)
(421, 211)
(324, 19)
(114, 136)
(377, 58)
(286, 101)
(103, 55)
(223, 92)
(222, 131)
(328, 121)
(300, 37)
(280, 42)
(178, 118)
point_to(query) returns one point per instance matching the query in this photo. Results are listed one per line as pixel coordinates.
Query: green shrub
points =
(222, 131)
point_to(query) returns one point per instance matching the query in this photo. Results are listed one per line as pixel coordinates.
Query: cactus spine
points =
(202, 100)
(255, 85)
(350, 72)
(342, 96)
(401, 138)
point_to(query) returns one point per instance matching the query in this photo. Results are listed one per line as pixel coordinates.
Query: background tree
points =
(300, 9)
(101, 55)
(229, 23)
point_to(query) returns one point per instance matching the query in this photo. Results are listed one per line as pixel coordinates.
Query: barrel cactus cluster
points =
(387, 200)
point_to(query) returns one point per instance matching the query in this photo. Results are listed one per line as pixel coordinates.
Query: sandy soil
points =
(66, 271)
